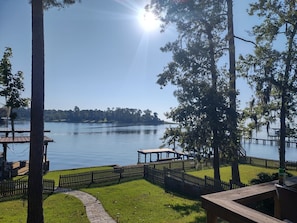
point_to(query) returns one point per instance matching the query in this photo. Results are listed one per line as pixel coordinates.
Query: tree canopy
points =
(203, 87)
(271, 70)
(11, 87)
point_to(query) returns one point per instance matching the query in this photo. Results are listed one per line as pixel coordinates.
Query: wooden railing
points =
(239, 205)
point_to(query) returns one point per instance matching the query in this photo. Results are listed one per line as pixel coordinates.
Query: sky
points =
(98, 55)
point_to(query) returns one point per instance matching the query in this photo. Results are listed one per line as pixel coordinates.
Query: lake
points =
(92, 144)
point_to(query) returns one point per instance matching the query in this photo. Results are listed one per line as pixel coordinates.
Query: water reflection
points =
(116, 131)
(92, 144)
(124, 131)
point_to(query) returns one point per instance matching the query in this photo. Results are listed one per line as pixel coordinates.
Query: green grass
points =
(58, 208)
(141, 201)
(135, 201)
(247, 172)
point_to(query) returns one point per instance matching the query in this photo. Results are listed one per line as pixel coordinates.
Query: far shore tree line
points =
(114, 115)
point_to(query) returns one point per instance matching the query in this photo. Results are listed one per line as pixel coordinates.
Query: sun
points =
(148, 20)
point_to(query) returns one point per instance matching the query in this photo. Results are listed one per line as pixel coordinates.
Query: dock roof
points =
(21, 139)
(159, 150)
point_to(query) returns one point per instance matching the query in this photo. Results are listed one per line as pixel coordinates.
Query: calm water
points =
(85, 144)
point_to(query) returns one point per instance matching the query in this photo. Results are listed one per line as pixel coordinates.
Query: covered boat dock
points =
(161, 154)
(11, 169)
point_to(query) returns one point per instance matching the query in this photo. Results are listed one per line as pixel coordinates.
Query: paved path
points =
(94, 208)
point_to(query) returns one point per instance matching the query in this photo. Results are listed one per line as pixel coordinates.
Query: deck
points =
(231, 205)
(21, 139)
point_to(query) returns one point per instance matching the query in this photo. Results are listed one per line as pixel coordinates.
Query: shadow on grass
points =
(185, 210)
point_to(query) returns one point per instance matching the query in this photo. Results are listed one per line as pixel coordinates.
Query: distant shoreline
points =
(115, 115)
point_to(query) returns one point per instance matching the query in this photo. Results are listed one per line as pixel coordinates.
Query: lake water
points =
(92, 144)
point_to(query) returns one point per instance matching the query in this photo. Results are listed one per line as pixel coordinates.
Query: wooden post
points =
(277, 213)
(265, 163)
(211, 217)
(5, 152)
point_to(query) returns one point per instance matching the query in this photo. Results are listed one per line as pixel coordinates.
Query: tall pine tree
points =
(207, 104)
(271, 70)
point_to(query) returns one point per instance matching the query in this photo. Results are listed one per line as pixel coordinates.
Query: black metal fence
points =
(101, 177)
(268, 163)
(170, 175)
(155, 176)
(185, 165)
(19, 188)
(183, 183)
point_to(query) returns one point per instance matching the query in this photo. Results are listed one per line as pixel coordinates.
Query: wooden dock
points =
(11, 169)
(161, 154)
(292, 143)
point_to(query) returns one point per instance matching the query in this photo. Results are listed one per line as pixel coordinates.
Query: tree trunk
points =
(284, 111)
(282, 140)
(216, 164)
(232, 86)
(214, 77)
(35, 207)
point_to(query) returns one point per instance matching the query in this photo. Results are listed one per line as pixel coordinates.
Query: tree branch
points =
(245, 40)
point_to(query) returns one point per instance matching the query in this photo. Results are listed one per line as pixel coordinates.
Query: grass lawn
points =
(141, 201)
(58, 208)
(247, 172)
(135, 201)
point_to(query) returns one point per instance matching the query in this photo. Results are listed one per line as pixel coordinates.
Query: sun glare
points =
(148, 21)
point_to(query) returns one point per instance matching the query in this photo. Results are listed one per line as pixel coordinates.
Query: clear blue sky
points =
(98, 55)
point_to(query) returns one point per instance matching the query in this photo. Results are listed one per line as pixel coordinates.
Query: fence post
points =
(92, 181)
(144, 171)
(183, 181)
(53, 188)
(231, 185)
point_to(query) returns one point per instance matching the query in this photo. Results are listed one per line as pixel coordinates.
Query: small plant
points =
(266, 177)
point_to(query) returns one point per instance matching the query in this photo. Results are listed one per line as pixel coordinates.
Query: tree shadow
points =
(185, 210)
